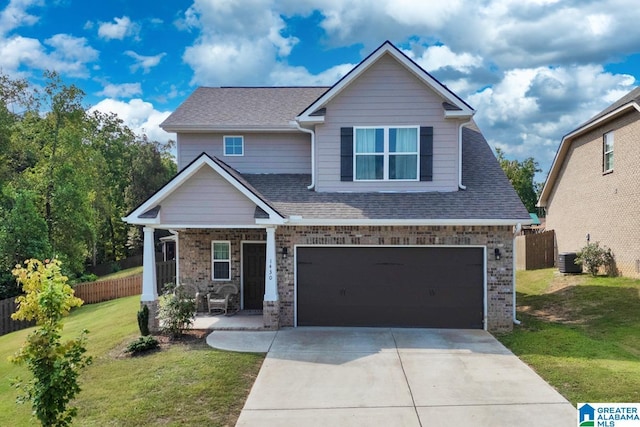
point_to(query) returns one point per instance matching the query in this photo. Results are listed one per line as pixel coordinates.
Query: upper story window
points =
(607, 148)
(386, 153)
(221, 260)
(233, 145)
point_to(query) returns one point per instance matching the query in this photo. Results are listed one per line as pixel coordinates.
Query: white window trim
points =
(386, 153)
(605, 152)
(224, 145)
(228, 243)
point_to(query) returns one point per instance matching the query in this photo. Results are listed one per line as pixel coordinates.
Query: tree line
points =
(67, 177)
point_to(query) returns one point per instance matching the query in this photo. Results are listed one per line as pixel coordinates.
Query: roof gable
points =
(147, 212)
(628, 102)
(453, 106)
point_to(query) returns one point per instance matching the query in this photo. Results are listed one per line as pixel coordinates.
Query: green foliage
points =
(521, 176)
(55, 365)
(142, 345)
(176, 311)
(593, 257)
(143, 320)
(67, 177)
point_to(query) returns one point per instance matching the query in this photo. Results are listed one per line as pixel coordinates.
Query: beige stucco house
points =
(593, 187)
(373, 202)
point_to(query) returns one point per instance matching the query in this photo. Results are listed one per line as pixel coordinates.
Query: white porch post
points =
(271, 270)
(149, 286)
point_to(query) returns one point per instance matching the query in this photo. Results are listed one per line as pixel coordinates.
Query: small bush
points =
(142, 344)
(593, 257)
(176, 311)
(143, 320)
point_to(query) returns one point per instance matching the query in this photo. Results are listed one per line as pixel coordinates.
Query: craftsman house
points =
(591, 192)
(373, 202)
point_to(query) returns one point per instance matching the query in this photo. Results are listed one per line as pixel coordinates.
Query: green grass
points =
(122, 273)
(186, 383)
(581, 334)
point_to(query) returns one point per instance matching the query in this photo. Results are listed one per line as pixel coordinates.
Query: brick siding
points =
(195, 257)
(606, 206)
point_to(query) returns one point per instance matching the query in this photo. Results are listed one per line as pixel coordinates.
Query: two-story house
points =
(591, 192)
(373, 202)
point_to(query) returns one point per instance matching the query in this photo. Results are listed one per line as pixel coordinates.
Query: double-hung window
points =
(233, 145)
(386, 153)
(221, 260)
(607, 149)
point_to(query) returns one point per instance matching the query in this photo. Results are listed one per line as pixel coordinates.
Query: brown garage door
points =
(389, 286)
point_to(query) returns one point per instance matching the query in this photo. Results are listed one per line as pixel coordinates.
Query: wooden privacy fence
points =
(7, 324)
(535, 251)
(106, 290)
(165, 273)
(90, 293)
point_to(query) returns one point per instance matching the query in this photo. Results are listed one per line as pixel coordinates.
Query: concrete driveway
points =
(396, 377)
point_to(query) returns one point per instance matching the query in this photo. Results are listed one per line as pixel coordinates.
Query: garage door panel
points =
(390, 286)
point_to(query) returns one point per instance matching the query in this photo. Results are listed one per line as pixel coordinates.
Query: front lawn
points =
(580, 333)
(186, 383)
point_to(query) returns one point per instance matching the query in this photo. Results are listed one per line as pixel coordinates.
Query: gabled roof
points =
(147, 212)
(453, 106)
(628, 102)
(488, 200)
(241, 108)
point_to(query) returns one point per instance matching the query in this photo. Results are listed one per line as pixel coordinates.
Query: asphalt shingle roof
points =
(489, 195)
(251, 107)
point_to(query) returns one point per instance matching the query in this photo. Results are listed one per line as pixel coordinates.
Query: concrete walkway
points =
(392, 377)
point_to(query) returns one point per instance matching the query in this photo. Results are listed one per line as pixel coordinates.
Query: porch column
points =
(271, 270)
(149, 285)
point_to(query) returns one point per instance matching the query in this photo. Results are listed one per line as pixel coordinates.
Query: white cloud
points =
(123, 90)
(439, 56)
(123, 27)
(144, 62)
(15, 15)
(140, 116)
(66, 54)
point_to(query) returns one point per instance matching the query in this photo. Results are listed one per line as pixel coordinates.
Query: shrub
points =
(176, 311)
(143, 320)
(142, 345)
(593, 257)
(55, 365)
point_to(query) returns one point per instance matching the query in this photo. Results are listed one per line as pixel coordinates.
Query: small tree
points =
(55, 365)
(176, 311)
(593, 257)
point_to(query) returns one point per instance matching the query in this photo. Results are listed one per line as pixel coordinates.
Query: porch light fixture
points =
(497, 254)
(285, 252)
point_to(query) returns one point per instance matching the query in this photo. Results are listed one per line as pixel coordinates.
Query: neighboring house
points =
(593, 185)
(374, 202)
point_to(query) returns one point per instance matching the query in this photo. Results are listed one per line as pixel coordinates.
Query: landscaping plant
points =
(55, 365)
(593, 257)
(176, 311)
(143, 320)
(142, 345)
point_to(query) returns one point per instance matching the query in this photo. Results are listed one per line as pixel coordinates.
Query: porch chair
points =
(219, 301)
(188, 291)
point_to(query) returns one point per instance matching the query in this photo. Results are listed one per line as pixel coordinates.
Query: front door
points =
(254, 257)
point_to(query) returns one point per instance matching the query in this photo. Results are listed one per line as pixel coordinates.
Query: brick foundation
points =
(154, 324)
(271, 315)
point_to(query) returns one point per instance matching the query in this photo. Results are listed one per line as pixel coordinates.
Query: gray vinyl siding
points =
(263, 153)
(387, 94)
(207, 198)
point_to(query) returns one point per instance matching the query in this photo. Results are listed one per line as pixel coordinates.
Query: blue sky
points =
(533, 69)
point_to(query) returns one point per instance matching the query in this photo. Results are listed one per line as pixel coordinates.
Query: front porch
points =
(245, 320)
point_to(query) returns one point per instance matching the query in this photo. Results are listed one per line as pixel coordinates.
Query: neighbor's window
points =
(608, 151)
(386, 153)
(221, 260)
(233, 146)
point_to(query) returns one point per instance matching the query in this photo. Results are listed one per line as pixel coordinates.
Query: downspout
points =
(460, 186)
(516, 230)
(313, 153)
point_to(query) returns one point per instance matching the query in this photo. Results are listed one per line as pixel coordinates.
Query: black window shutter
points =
(426, 153)
(346, 154)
